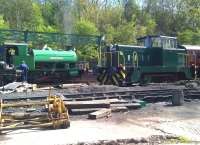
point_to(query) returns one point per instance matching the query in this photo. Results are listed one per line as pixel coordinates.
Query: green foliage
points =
(87, 52)
(121, 21)
(84, 27)
(189, 37)
(183, 139)
(125, 33)
(115, 27)
(18, 13)
(130, 9)
(3, 24)
(178, 140)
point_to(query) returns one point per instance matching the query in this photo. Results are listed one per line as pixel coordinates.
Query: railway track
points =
(147, 95)
(151, 95)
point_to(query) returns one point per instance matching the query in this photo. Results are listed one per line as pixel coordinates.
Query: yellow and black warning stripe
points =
(115, 80)
(122, 73)
(114, 77)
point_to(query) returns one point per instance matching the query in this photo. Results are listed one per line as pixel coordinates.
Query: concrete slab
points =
(189, 129)
(80, 131)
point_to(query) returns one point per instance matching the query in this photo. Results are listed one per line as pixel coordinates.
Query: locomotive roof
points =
(192, 47)
(130, 46)
(13, 43)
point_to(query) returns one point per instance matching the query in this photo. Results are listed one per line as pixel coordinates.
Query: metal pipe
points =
(24, 104)
(43, 125)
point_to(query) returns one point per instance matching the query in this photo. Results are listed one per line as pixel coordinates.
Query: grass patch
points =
(176, 140)
(183, 139)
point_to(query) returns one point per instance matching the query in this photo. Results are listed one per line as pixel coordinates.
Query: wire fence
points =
(56, 40)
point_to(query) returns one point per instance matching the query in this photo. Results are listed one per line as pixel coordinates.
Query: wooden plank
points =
(92, 104)
(90, 98)
(87, 104)
(128, 105)
(119, 109)
(91, 101)
(83, 111)
(100, 114)
(66, 86)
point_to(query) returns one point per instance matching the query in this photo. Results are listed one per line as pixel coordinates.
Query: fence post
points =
(26, 36)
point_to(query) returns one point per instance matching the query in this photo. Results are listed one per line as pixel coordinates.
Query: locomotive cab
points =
(8, 52)
(157, 42)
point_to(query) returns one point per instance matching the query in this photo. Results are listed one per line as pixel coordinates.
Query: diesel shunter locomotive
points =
(155, 59)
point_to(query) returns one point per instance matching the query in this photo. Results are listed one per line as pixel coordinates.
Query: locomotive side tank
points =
(54, 56)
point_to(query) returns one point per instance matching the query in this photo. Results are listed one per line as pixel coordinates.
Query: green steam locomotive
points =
(44, 64)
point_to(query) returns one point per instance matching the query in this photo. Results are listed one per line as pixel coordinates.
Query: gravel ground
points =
(154, 124)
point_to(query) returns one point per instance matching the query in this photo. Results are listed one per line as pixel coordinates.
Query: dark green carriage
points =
(157, 58)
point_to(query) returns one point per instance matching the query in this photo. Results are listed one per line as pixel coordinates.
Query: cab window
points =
(169, 43)
(156, 42)
(12, 50)
(143, 42)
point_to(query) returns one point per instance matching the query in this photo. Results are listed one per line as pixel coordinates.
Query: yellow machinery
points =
(50, 113)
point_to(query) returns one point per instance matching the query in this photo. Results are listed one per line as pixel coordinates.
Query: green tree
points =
(18, 13)
(3, 24)
(86, 28)
(189, 37)
(130, 9)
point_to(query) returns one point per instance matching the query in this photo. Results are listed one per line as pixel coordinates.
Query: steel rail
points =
(151, 94)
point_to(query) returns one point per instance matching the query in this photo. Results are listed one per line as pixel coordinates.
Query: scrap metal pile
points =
(49, 113)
